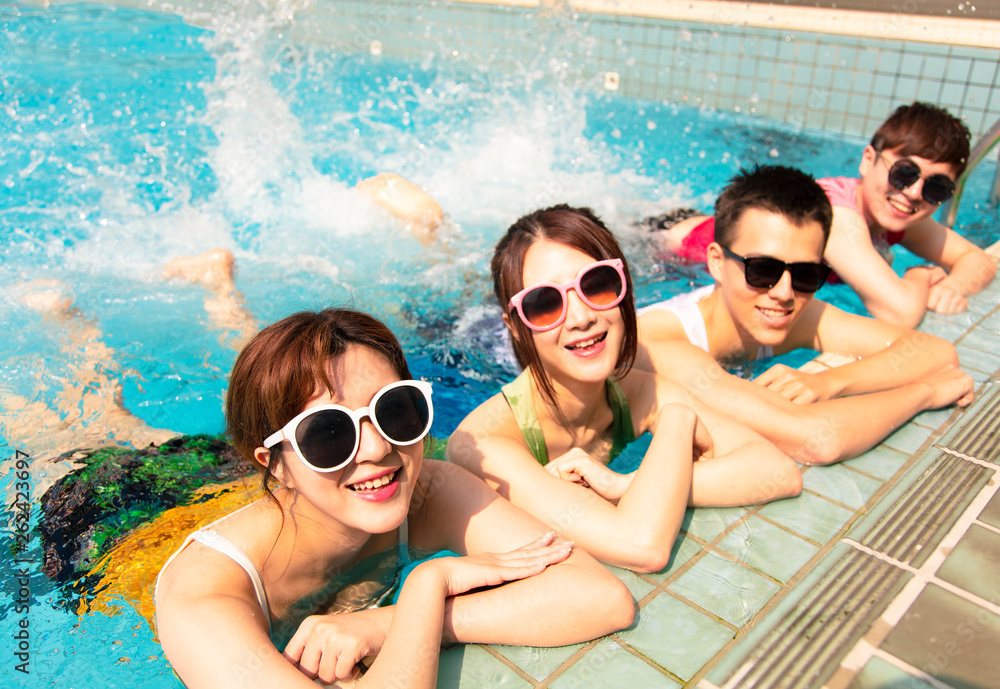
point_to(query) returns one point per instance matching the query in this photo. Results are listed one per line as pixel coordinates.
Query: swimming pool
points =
(135, 137)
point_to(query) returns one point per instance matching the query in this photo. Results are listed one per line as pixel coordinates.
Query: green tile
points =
(773, 626)
(934, 419)
(974, 563)
(878, 674)
(949, 638)
(610, 665)
(809, 515)
(768, 548)
(949, 326)
(676, 636)
(991, 324)
(684, 549)
(979, 377)
(991, 513)
(470, 666)
(907, 438)
(982, 340)
(974, 359)
(733, 592)
(638, 586)
(980, 304)
(707, 523)
(881, 462)
(840, 484)
(537, 662)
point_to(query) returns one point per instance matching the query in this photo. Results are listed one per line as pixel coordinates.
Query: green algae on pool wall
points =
(117, 490)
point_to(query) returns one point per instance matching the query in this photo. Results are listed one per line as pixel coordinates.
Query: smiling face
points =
(587, 345)
(372, 493)
(892, 209)
(764, 316)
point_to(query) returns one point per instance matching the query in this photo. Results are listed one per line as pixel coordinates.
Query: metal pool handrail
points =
(979, 151)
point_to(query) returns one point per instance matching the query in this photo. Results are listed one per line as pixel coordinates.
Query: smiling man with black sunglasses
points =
(771, 228)
(907, 171)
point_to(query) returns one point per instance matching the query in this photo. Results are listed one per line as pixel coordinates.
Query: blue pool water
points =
(131, 138)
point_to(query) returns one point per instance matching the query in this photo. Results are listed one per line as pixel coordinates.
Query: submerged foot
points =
(47, 296)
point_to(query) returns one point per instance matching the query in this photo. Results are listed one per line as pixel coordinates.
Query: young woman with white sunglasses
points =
(325, 405)
(545, 440)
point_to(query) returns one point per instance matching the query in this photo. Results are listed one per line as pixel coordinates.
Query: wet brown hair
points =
(926, 131)
(784, 191)
(286, 364)
(580, 229)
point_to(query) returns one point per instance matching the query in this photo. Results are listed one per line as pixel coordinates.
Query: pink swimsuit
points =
(842, 191)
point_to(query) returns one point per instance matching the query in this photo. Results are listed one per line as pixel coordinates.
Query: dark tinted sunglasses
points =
(601, 286)
(326, 438)
(904, 173)
(765, 272)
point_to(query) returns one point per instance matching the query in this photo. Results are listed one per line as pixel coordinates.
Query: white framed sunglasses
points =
(326, 438)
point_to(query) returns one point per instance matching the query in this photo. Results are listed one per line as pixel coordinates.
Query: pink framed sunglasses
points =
(601, 286)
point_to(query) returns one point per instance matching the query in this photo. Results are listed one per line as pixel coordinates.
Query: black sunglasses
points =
(766, 272)
(905, 173)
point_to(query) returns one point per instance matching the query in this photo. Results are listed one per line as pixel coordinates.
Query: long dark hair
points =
(580, 229)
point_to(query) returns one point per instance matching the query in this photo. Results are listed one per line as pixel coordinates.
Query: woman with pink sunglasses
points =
(324, 405)
(545, 441)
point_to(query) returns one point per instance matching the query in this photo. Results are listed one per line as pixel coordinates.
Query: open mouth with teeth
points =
(901, 207)
(584, 345)
(368, 486)
(774, 314)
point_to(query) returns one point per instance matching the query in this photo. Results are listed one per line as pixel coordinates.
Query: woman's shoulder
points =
(441, 475)
(244, 531)
(646, 391)
(493, 417)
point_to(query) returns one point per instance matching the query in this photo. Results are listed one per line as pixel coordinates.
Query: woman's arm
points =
(218, 636)
(409, 657)
(637, 533)
(573, 601)
(211, 628)
(742, 469)
(746, 469)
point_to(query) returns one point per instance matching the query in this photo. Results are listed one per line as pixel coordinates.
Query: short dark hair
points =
(580, 229)
(784, 191)
(926, 131)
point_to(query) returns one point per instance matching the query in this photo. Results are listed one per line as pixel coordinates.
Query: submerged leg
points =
(408, 202)
(88, 408)
(224, 305)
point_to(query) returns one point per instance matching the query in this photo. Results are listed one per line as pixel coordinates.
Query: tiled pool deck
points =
(885, 572)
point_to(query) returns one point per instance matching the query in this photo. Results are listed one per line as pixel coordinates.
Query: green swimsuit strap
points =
(518, 395)
(622, 432)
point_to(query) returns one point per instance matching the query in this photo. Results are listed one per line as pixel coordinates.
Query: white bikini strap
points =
(222, 545)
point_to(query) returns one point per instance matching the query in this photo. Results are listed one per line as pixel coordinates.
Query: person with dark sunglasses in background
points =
(907, 171)
(294, 586)
(545, 440)
(771, 228)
